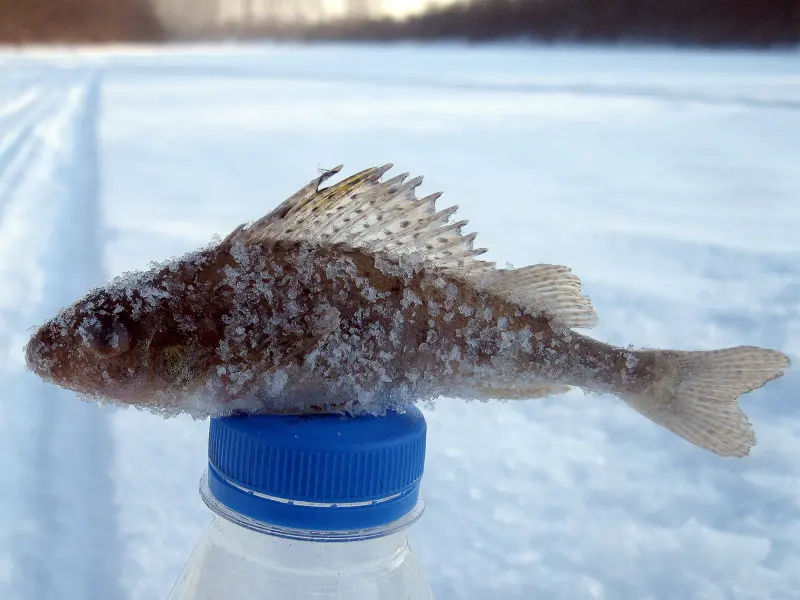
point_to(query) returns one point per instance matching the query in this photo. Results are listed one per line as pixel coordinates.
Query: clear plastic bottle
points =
(310, 507)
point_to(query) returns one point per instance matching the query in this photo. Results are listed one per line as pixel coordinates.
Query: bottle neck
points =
(295, 554)
(259, 527)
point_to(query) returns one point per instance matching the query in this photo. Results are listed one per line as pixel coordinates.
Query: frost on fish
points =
(358, 297)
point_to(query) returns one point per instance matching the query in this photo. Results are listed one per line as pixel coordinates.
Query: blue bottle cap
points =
(318, 472)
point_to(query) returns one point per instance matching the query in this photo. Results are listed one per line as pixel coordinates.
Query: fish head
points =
(114, 343)
(91, 347)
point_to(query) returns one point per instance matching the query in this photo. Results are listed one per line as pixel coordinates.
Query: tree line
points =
(695, 22)
(84, 21)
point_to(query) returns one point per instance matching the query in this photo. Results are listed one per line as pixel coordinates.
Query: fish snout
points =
(39, 354)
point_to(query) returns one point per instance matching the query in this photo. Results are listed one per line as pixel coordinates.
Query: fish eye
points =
(104, 337)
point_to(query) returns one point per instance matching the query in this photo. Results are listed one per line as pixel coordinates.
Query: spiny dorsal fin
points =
(362, 211)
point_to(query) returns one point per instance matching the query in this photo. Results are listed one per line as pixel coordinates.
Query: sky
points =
(405, 7)
(235, 9)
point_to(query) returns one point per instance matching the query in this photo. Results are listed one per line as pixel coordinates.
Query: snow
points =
(666, 179)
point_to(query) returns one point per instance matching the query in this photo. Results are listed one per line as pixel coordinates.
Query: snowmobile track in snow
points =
(20, 146)
(51, 207)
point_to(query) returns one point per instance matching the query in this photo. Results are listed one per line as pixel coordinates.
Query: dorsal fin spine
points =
(363, 212)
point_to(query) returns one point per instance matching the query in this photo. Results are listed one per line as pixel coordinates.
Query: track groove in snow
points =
(12, 109)
(20, 146)
(67, 512)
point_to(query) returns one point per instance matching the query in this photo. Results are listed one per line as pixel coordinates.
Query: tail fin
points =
(697, 398)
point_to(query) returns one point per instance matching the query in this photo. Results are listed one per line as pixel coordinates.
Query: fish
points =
(360, 296)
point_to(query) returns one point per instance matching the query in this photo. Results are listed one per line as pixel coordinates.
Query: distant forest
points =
(685, 22)
(78, 21)
(762, 23)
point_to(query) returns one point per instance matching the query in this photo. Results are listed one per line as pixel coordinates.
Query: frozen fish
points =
(359, 296)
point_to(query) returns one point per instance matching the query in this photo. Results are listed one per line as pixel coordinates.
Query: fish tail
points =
(697, 395)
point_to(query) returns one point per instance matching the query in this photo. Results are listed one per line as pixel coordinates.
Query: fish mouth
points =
(40, 354)
(37, 357)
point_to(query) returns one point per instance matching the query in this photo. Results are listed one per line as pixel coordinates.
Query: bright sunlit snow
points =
(668, 181)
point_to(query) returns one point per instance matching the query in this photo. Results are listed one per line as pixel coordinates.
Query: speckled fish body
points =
(360, 296)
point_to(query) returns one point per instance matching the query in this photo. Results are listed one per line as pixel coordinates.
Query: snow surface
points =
(668, 180)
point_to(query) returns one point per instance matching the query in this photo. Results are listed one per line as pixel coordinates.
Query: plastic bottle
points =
(310, 507)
